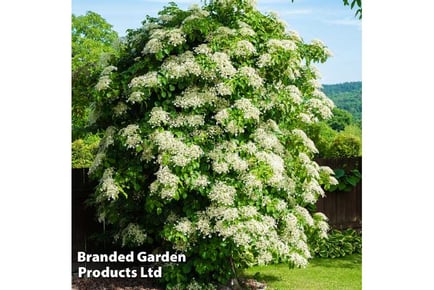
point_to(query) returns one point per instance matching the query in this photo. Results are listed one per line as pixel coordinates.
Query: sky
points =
(328, 20)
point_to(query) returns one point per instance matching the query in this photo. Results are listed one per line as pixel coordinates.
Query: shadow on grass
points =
(348, 262)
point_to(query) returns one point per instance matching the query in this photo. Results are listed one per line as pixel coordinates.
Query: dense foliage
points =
(94, 42)
(203, 151)
(84, 151)
(333, 144)
(338, 244)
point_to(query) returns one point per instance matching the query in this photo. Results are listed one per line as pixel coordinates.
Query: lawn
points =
(334, 274)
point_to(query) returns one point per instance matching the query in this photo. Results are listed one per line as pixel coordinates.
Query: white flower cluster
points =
(293, 35)
(244, 48)
(133, 234)
(184, 226)
(108, 185)
(311, 191)
(148, 80)
(222, 116)
(279, 178)
(292, 71)
(223, 89)
(147, 153)
(252, 76)
(120, 109)
(245, 29)
(251, 183)
(264, 60)
(301, 135)
(105, 142)
(166, 17)
(203, 225)
(97, 161)
(108, 138)
(196, 13)
(248, 109)
(103, 83)
(166, 183)
(108, 70)
(158, 117)
(203, 49)
(221, 32)
(105, 80)
(225, 157)
(173, 37)
(249, 148)
(298, 260)
(267, 140)
(136, 97)
(321, 224)
(312, 170)
(275, 45)
(329, 173)
(236, 162)
(166, 177)
(322, 46)
(181, 66)
(188, 121)
(306, 118)
(194, 97)
(281, 205)
(153, 46)
(181, 153)
(294, 94)
(224, 64)
(222, 193)
(304, 215)
(317, 105)
(201, 181)
(131, 132)
(250, 230)
(317, 93)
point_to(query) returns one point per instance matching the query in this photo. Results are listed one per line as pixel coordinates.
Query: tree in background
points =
(340, 119)
(203, 151)
(93, 44)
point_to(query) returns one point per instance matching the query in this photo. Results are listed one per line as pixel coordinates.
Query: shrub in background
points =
(203, 151)
(337, 244)
(84, 151)
(345, 145)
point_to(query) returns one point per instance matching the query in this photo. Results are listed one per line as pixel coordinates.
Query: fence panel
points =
(344, 209)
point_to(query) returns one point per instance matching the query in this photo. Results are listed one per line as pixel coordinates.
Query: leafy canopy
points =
(93, 44)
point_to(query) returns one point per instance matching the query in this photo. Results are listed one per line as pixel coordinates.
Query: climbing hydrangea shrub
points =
(203, 152)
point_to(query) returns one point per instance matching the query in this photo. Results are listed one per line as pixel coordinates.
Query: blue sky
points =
(329, 20)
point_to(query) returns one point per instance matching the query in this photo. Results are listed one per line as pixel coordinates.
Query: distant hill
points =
(347, 96)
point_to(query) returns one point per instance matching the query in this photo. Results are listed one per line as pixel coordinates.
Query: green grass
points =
(324, 274)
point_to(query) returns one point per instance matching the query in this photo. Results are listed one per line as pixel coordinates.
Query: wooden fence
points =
(344, 209)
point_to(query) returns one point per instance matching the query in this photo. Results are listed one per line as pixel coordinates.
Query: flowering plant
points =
(203, 151)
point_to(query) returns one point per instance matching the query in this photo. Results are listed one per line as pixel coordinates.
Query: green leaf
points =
(339, 173)
(352, 180)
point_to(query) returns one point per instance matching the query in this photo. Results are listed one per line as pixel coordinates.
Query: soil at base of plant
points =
(112, 284)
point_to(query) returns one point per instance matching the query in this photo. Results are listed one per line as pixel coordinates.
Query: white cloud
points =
(347, 22)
